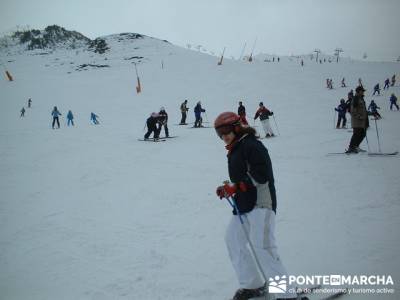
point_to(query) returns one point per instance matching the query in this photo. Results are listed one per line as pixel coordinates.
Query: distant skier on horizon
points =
(22, 112)
(29, 103)
(343, 83)
(393, 80)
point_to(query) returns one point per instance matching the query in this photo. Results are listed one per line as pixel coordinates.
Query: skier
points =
(93, 118)
(360, 82)
(341, 109)
(22, 112)
(264, 114)
(328, 83)
(393, 80)
(197, 113)
(252, 188)
(377, 89)
(387, 81)
(153, 126)
(393, 101)
(359, 121)
(184, 111)
(343, 82)
(302, 63)
(163, 120)
(55, 113)
(242, 113)
(70, 118)
(29, 102)
(373, 110)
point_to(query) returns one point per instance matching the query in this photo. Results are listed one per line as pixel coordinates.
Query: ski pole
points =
(205, 114)
(377, 135)
(366, 138)
(334, 120)
(232, 202)
(276, 124)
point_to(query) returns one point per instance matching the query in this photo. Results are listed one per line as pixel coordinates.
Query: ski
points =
(383, 153)
(152, 140)
(200, 127)
(181, 124)
(169, 137)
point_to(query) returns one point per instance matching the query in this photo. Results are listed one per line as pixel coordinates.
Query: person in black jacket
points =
(153, 126)
(242, 113)
(253, 190)
(163, 119)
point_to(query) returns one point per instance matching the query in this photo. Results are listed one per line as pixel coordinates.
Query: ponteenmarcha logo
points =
(277, 285)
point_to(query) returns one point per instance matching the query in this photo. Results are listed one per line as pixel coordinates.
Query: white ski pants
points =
(267, 126)
(260, 224)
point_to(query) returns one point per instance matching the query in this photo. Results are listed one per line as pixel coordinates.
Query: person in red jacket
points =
(264, 114)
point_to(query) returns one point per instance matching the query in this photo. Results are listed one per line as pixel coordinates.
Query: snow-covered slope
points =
(89, 212)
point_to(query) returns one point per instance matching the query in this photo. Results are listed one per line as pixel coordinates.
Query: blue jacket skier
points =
(373, 110)
(376, 89)
(93, 117)
(387, 81)
(70, 118)
(341, 109)
(197, 113)
(55, 113)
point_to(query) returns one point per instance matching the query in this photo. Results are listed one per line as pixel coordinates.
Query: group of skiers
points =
(156, 121)
(70, 118)
(356, 106)
(55, 113)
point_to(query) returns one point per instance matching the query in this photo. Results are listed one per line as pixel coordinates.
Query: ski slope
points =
(89, 212)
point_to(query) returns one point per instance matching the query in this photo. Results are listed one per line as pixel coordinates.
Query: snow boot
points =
(351, 151)
(245, 294)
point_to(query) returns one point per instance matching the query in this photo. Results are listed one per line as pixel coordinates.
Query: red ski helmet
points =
(226, 123)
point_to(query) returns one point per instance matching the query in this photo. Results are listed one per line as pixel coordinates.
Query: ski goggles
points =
(223, 130)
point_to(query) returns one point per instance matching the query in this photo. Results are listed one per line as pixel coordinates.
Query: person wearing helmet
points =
(359, 121)
(341, 109)
(197, 113)
(377, 89)
(253, 190)
(153, 126)
(264, 114)
(163, 120)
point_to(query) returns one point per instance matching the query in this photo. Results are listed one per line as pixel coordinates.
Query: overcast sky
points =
(280, 26)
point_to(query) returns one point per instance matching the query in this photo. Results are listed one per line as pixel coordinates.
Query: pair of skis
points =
(394, 153)
(162, 139)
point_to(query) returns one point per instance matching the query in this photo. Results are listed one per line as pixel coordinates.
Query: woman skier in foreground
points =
(253, 191)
